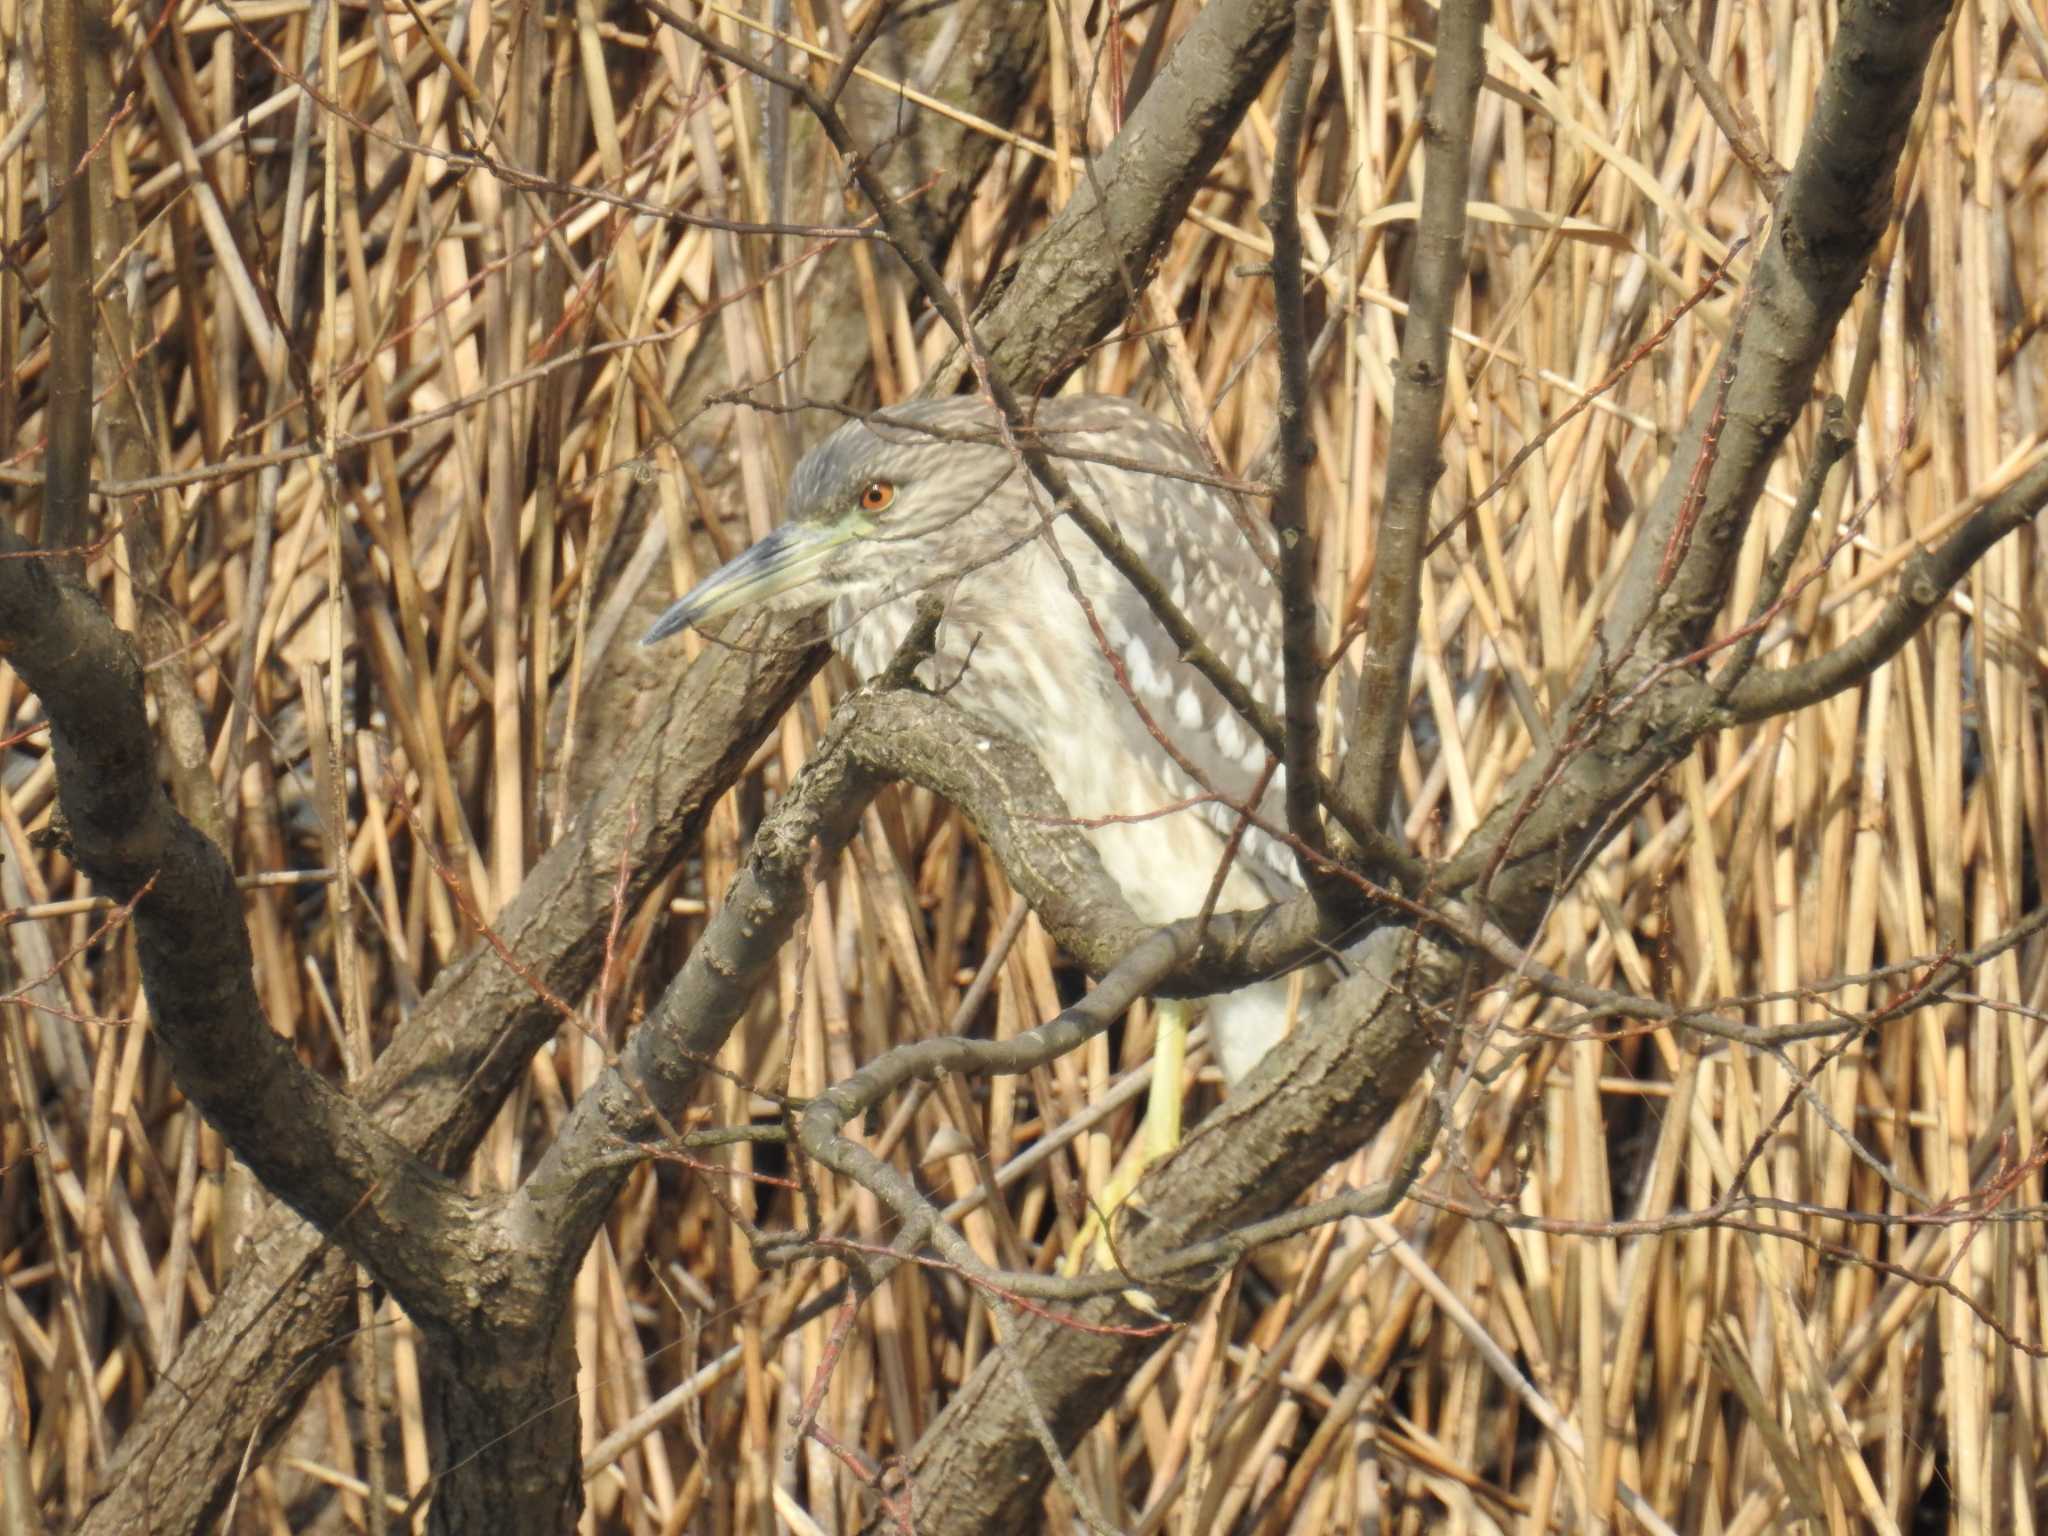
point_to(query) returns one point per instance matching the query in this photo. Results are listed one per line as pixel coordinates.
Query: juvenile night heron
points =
(923, 498)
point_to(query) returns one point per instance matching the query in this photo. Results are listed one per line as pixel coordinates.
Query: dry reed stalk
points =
(468, 563)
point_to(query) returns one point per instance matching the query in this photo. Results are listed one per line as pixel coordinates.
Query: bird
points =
(925, 497)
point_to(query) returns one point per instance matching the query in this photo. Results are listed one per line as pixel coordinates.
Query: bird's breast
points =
(1015, 651)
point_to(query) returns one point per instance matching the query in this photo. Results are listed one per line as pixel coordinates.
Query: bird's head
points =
(880, 508)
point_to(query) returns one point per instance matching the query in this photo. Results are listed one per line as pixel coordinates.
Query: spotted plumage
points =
(923, 497)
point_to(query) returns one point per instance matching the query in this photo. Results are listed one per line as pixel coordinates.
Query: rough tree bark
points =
(980, 1467)
(486, 1277)
(445, 1074)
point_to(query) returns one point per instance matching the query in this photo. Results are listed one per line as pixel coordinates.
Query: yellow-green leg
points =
(1158, 1136)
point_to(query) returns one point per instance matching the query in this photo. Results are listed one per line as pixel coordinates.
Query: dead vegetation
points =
(397, 448)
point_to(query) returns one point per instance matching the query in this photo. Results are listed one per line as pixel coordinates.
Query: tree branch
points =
(1299, 646)
(68, 462)
(314, 1147)
(878, 737)
(445, 1074)
(978, 1467)
(1317, 1096)
(1924, 585)
(1414, 460)
(1632, 712)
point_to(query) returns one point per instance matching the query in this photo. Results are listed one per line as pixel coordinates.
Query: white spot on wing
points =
(1145, 678)
(1234, 739)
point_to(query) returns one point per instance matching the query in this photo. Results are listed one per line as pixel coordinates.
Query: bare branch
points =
(1924, 585)
(979, 1469)
(443, 1077)
(1299, 642)
(1826, 225)
(310, 1143)
(1393, 607)
(73, 333)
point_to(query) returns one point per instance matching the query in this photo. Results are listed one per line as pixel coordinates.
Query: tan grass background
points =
(1432, 1370)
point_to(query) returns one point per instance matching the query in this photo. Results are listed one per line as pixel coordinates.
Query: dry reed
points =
(1812, 1357)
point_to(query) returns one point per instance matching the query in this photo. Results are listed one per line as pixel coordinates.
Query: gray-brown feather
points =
(1016, 647)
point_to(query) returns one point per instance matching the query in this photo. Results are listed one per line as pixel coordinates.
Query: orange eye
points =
(877, 496)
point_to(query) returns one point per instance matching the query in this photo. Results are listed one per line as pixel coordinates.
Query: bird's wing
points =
(1202, 553)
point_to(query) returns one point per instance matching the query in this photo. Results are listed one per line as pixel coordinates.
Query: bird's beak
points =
(786, 559)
